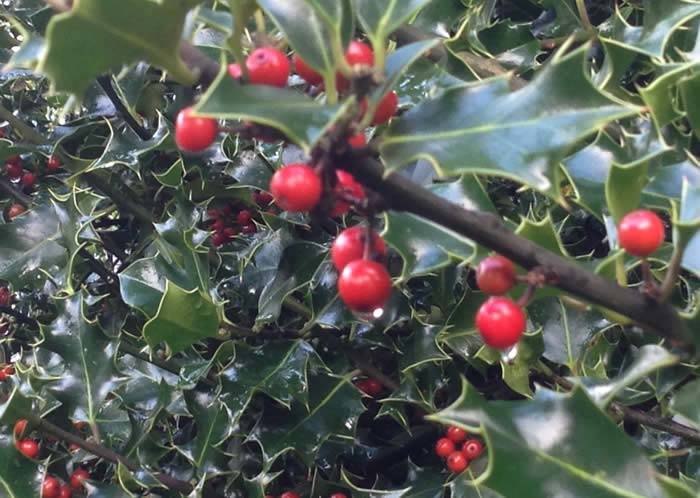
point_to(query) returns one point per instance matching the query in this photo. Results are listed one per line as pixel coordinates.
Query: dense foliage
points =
(169, 327)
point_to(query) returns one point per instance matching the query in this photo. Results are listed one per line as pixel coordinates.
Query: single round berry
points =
(219, 239)
(218, 225)
(472, 449)
(78, 477)
(371, 387)
(244, 217)
(249, 229)
(444, 447)
(234, 70)
(296, 187)
(230, 232)
(53, 164)
(349, 246)
(50, 488)
(495, 275)
(456, 434)
(5, 296)
(289, 494)
(500, 322)
(386, 109)
(306, 72)
(194, 134)
(14, 170)
(14, 161)
(20, 428)
(346, 186)
(339, 495)
(66, 492)
(641, 232)
(263, 198)
(9, 370)
(15, 210)
(457, 462)
(364, 285)
(357, 54)
(357, 141)
(268, 66)
(28, 179)
(29, 448)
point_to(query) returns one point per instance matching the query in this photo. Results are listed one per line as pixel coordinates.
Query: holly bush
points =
(350, 248)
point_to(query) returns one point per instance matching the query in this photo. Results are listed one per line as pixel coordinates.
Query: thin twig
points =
(672, 272)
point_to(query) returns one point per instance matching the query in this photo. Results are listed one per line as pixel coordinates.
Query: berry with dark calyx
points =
(289, 494)
(495, 275)
(268, 66)
(500, 322)
(5, 296)
(386, 109)
(472, 449)
(14, 170)
(234, 70)
(364, 285)
(244, 217)
(444, 447)
(349, 246)
(53, 164)
(29, 448)
(457, 462)
(78, 477)
(28, 179)
(306, 72)
(296, 187)
(357, 141)
(194, 134)
(20, 428)
(641, 232)
(456, 434)
(65, 492)
(346, 186)
(357, 54)
(50, 487)
(371, 387)
(15, 210)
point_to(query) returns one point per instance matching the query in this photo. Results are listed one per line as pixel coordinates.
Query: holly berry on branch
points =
(458, 449)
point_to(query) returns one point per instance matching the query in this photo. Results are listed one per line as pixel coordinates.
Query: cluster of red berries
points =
(226, 226)
(641, 233)
(500, 321)
(457, 460)
(51, 487)
(27, 179)
(270, 66)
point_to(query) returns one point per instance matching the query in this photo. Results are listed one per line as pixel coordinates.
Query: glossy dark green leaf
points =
(380, 18)
(117, 37)
(486, 128)
(685, 402)
(556, 438)
(421, 348)
(212, 422)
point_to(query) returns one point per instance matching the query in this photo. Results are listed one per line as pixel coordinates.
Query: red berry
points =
(348, 186)
(306, 72)
(501, 322)
(219, 239)
(14, 161)
(14, 170)
(263, 198)
(234, 70)
(53, 164)
(364, 285)
(230, 232)
(2, 133)
(194, 134)
(20, 427)
(357, 54)
(218, 225)
(73, 447)
(28, 180)
(28, 448)
(472, 449)
(5, 296)
(386, 109)
(249, 229)
(244, 217)
(15, 210)
(349, 246)
(371, 387)
(50, 488)
(444, 447)
(268, 66)
(289, 494)
(339, 495)
(495, 275)
(357, 141)
(78, 477)
(8, 370)
(641, 232)
(296, 187)
(65, 492)
(455, 434)
(457, 462)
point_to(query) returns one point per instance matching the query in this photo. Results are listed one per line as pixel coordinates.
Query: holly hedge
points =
(350, 248)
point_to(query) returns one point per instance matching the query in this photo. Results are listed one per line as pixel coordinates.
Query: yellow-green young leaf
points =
(183, 318)
(119, 32)
(488, 129)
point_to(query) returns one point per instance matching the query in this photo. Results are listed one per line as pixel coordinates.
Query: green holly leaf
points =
(485, 128)
(556, 438)
(120, 32)
(380, 18)
(685, 402)
(20, 477)
(213, 427)
(89, 373)
(421, 348)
